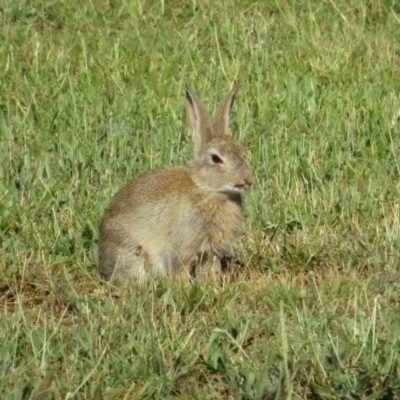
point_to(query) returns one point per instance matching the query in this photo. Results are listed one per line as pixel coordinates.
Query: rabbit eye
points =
(215, 159)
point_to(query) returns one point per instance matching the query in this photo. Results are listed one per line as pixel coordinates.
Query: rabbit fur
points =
(179, 215)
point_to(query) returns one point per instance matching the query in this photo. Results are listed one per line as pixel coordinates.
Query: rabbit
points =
(179, 215)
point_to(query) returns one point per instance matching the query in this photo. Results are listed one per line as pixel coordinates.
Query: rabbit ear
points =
(198, 120)
(222, 115)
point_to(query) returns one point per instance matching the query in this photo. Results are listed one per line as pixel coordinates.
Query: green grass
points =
(92, 93)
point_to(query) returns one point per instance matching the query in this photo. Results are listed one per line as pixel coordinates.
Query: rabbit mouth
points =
(241, 187)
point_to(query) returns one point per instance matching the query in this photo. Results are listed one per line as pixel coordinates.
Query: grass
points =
(92, 93)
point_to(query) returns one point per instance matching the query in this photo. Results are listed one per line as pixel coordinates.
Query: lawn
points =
(92, 93)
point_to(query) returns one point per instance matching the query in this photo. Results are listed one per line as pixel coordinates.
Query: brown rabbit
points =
(176, 216)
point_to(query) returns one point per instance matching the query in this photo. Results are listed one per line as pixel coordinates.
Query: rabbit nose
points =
(246, 181)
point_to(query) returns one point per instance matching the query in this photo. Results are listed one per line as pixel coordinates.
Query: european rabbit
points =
(176, 216)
